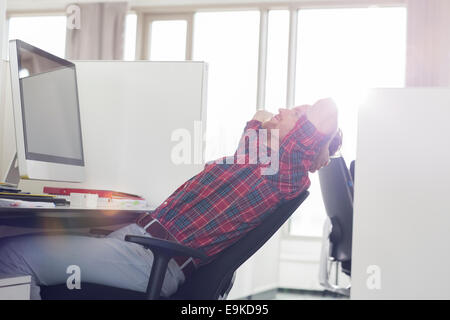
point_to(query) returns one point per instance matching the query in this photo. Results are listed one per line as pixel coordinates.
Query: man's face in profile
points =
(285, 120)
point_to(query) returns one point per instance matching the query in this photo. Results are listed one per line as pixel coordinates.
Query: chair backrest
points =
(337, 194)
(352, 171)
(209, 281)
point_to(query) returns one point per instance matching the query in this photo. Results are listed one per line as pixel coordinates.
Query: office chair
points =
(336, 185)
(211, 281)
(352, 171)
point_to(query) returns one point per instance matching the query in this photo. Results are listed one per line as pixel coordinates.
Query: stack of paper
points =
(121, 203)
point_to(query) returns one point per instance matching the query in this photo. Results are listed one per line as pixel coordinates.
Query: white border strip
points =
(262, 59)
(292, 58)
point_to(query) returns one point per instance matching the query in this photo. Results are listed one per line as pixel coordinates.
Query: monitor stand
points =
(12, 175)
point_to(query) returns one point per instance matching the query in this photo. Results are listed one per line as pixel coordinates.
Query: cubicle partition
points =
(7, 137)
(142, 126)
(401, 239)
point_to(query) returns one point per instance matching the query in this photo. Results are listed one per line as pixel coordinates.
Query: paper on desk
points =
(112, 203)
(12, 203)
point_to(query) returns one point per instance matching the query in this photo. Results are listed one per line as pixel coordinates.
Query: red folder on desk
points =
(101, 193)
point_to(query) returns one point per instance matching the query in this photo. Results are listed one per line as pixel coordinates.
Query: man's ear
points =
(335, 144)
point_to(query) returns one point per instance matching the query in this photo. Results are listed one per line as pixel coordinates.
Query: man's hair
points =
(335, 143)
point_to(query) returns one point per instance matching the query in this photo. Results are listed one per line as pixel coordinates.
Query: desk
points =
(66, 217)
(62, 219)
(16, 221)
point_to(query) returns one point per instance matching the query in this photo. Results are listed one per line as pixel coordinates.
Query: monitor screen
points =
(50, 108)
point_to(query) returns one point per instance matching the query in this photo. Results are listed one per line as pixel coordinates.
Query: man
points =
(209, 212)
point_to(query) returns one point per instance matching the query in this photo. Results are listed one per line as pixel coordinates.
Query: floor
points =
(290, 294)
(280, 295)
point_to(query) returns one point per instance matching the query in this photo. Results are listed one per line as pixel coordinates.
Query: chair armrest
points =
(163, 251)
(170, 248)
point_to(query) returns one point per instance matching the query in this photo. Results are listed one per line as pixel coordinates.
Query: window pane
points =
(277, 60)
(342, 53)
(168, 40)
(45, 32)
(130, 37)
(228, 42)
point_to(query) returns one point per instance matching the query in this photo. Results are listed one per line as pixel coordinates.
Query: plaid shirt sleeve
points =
(253, 124)
(247, 151)
(296, 153)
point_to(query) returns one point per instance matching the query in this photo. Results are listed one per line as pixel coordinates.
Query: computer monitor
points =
(46, 115)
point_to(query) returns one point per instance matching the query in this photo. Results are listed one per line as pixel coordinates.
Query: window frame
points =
(32, 13)
(144, 25)
(41, 13)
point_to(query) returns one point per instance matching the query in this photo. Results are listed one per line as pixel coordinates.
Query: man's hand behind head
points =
(322, 158)
(262, 116)
(324, 116)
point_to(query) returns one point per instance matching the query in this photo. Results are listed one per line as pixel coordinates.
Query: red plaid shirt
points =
(219, 205)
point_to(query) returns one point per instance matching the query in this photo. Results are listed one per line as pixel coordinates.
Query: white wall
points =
(3, 42)
(299, 263)
(3, 35)
(259, 273)
(283, 262)
(7, 135)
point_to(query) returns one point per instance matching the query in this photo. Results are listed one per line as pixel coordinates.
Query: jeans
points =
(109, 261)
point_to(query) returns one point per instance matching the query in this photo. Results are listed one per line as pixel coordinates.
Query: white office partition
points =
(3, 69)
(401, 238)
(7, 137)
(3, 29)
(129, 112)
(3, 65)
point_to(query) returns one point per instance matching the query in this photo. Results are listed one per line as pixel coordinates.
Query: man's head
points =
(323, 114)
(285, 120)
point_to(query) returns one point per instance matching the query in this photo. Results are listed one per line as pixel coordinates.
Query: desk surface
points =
(66, 217)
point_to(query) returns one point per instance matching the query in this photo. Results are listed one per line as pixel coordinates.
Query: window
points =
(49, 33)
(45, 32)
(168, 40)
(228, 41)
(168, 37)
(130, 37)
(277, 60)
(340, 54)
